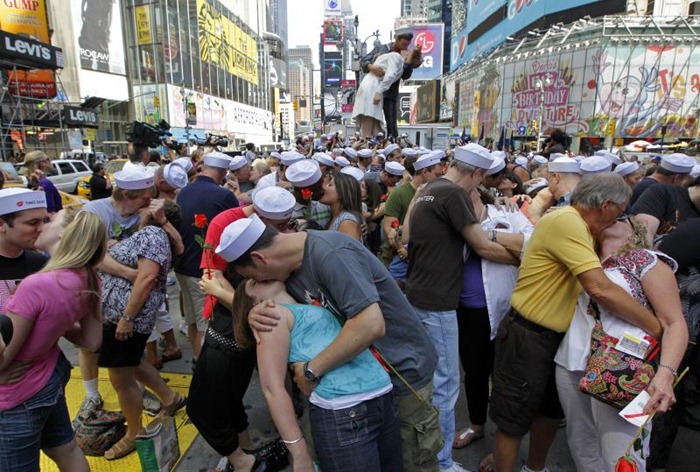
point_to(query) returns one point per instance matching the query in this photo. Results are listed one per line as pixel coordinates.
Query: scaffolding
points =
(25, 116)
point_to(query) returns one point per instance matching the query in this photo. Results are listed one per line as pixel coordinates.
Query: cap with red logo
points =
(20, 199)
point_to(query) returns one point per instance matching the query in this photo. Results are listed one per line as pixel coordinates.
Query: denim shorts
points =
(41, 422)
(398, 269)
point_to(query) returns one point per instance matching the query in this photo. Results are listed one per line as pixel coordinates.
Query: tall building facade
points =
(301, 89)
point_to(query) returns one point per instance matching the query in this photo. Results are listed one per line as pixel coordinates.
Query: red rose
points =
(384, 197)
(306, 193)
(200, 220)
(626, 464)
(395, 224)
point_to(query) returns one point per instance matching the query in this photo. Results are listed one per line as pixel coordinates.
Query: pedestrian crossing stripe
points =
(75, 393)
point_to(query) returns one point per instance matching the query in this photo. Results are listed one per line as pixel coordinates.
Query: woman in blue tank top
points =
(353, 414)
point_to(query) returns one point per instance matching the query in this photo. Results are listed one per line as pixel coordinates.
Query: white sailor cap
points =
(239, 236)
(678, 163)
(341, 161)
(273, 203)
(290, 157)
(695, 173)
(540, 160)
(498, 165)
(364, 153)
(595, 165)
(303, 174)
(406, 30)
(627, 168)
(184, 162)
(409, 152)
(353, 172)
(497, 154)
(20, 199)
(611, 156)
(134, 178)
(475, 155)
(535, 184)
(350, 152)
(323, 158)
(390, 148)
(565, 165)
(556, 155)
(237, 163)
(579, 159)
(276, 155)
(394, 168)
(175, 176)
(521, 161)
(217, 159)
(426, 161)
(440, 153)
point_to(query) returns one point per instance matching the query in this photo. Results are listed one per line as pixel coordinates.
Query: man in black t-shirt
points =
(673, 170)
(100, 186)
(441, 221)
(19, 231)
(663, 206)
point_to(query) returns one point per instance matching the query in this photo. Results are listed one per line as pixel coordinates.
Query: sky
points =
(305, 20)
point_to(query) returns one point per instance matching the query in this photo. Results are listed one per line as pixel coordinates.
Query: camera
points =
(144, 134)
(216, 140)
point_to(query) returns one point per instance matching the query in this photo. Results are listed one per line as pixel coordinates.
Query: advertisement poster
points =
(225, 44)
(28, 19)
(332, 32)
(427, 102)
(143, 24)
(430, 37)
(278, 73)
(447, 99)
(332, 7)
(332, 69)
(98, 26)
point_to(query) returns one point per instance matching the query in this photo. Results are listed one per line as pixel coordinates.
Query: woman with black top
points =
(221, 377)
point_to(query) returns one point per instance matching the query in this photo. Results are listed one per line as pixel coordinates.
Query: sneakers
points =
(151, 404)
(89, 404)
(456, 467)
(183, 328)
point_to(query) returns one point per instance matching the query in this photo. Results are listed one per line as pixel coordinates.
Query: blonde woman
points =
(62, 300)
(36, 165)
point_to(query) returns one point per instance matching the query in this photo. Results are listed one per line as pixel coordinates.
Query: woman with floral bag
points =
(598, 436)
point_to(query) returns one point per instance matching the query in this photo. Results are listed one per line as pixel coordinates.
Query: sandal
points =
(122, 448)
(177, 404)
(171, 356)
(487, 464)
(466, 437)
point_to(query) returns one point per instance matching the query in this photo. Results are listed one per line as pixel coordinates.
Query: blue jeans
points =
(398, 269)
(42, 422)
(364, 437)
(443, 331)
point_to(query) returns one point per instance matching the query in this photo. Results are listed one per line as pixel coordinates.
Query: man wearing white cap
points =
(564, 176)
(204, 196)
(673, 170)
(595, 165)
(325, 162)
(169, 179)
(287, 158)
(350, 153)
(390, 176)
(610, 156)
(441, 220)
(520, 168)
(186, 163)
(338, 272)
(631, 172)
(240, 169)
(307, 180)
(496, 173)
(662, 206)
(341, 162)
(423, 170)
(364, 159)
(393, 153)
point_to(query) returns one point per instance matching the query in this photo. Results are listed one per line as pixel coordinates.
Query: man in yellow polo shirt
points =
(559, 261)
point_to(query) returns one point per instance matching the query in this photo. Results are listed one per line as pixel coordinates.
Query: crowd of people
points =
(367, 271)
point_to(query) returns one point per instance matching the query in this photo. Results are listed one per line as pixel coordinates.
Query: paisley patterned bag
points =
(612, 376)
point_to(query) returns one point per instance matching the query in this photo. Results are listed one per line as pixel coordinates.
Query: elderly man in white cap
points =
(673, 170)
(564, 175)
(441, 221)
(240, 170)
(135, 189)
(169, 179)
(663, 206)
(307, 179)
(332, 269)
(203, 196)
(287, 158)
(186, 163)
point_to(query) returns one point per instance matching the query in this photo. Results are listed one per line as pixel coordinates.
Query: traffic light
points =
(295, 105)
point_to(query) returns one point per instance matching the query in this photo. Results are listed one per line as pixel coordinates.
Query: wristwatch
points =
(309, 374)
(128, 319)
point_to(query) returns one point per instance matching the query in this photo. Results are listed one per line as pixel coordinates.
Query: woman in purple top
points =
(62, 300)
(37, 164)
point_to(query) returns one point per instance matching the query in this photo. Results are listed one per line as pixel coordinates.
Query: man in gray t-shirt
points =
(336, 271)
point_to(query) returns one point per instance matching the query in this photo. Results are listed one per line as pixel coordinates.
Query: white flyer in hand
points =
(634, 412)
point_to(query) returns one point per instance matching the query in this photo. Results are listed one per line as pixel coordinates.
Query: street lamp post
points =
(541, 86)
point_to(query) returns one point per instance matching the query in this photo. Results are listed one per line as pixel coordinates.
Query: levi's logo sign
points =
(26, 48)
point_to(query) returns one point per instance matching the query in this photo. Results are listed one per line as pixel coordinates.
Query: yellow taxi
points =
(110, 168)
(14, 180)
